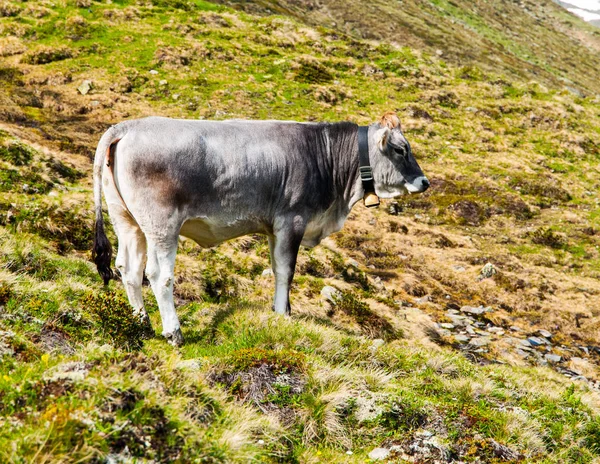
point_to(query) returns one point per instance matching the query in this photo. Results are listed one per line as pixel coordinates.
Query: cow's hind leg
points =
(161, 263)
(284, 253)
(131, 259)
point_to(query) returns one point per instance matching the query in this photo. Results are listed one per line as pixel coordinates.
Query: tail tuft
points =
(102, 253)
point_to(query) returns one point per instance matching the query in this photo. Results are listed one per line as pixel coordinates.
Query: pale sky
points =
(584, 4)
(586, 15)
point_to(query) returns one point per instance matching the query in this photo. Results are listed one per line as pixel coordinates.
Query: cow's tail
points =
(102, 251)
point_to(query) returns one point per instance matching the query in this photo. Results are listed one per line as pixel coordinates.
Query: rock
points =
(425, 299)
(267, 272)
(487, 271)
(475, 311)
(480, 341)
(447, 325)
(85, 87)
(544, 333)
(74, 371)
(514, 328)
(153, 71)
(462, 338)
(522, 353)
(378, 342)
(470, 330)
(459, 268)
(331, 294)
(553, 358)
(162, 82)
(496, 330)
(394, 208)
(459, 320)
(537, 341)
(353, 263)
(379, 453)
(189, 365)
(525, 343)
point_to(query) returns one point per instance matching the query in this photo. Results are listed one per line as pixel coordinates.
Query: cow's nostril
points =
(426, 184)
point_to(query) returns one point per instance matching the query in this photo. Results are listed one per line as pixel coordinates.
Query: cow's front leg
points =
(284, 252)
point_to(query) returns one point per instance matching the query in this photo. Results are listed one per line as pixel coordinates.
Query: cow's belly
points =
(208, 232)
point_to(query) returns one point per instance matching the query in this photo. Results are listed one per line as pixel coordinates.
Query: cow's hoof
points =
(175, 338)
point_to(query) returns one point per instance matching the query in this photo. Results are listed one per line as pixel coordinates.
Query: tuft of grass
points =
(281, 361)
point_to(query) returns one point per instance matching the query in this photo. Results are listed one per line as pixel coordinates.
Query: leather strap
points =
(366, 173)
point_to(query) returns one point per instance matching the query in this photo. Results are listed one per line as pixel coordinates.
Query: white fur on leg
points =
(161, 263)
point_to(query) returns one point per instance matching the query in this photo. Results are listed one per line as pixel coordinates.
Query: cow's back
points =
(237, 168)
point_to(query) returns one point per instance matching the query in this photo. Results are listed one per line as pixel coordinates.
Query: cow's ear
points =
(383, 136)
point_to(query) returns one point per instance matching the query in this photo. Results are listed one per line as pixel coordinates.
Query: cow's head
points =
(395, 170)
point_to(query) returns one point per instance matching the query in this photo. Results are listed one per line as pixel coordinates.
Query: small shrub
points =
(68, 173)
(403, 415)
(547, 237)
(312, 72)
(17, 153)
(115, 319)
(5, 293)
(314, 267)
(373, 324)
(219, 285)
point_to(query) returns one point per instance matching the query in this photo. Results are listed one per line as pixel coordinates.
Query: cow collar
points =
(370, 199)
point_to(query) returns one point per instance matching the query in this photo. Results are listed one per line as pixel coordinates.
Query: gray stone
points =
(462, 338)
(487, 271)
(522, 353)
(378, 342)
(153, 71)
(379, 453)
(476, 311)
(553, 358)
(514, 328)
(267, 272)
(189, 365)
(480, 341)
(424, 299)
(537, 341)
(331, 294)
(526, 343)
(85, 87)
(447, 325)
(74, 371)
(353, 263)
(496, 330)
(459, 320)
(545, 333)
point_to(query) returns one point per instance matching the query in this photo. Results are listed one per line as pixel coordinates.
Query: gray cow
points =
(212, 181)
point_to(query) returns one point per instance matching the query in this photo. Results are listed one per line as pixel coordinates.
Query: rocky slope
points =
(457, 326)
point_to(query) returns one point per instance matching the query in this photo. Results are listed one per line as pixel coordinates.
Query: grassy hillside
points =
(532, 40)
(466, 323)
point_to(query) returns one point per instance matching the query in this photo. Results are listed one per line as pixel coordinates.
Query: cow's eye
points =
(400, 150)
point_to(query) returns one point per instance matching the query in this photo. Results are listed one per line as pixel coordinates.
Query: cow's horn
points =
(371, 200)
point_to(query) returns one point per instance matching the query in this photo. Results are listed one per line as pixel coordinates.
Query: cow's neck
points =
(344, 150)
